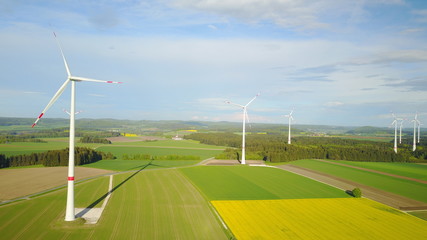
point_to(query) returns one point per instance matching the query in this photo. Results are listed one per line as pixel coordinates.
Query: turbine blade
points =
(82, 79)
(63, 57)
(228, 102)
(52, 101)
(252, 100)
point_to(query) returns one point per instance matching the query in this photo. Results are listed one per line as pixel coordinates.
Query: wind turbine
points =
(416, 122)
(67, 112)
(395, 132)
(289, 125)
(69, 214)
(245, 116)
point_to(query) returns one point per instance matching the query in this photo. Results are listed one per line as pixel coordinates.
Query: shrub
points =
(357, 193)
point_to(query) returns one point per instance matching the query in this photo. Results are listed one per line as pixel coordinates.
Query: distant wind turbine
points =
(416, 122)
(245, 116)
(69, 214)
(395, 132)
(67, 112)
(290, 118)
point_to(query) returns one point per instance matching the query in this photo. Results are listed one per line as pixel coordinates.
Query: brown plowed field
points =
(375, 194)
(20, 182)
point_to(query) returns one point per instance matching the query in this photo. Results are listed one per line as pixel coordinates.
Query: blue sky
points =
(336, 62)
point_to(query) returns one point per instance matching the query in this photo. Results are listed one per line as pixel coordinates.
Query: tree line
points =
(92, 139)
(274, 148)
(52, 158)
(10, 138)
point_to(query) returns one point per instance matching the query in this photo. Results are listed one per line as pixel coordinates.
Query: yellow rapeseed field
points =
(339, 218)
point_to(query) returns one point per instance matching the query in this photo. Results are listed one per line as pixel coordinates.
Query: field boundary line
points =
(373, 171)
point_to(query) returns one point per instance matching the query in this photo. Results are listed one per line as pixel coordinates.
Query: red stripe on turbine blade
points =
(70, 178)
(34, 124)
(109, 81)
(41, 115)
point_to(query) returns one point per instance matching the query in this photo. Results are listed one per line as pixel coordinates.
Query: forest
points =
(274, 148)
(54, 158)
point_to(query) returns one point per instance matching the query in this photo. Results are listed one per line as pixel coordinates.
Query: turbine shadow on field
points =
(147, 165)
(92, 205)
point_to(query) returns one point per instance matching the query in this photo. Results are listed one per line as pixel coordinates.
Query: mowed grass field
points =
(159, 204)
(350, 218)
(246, 182)
(407, 188)
(130, 165)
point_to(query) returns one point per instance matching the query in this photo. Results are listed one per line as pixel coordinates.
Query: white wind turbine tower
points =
(69, 214)
(290, 118)
(395, 132)
(416, 122)
(245, 115)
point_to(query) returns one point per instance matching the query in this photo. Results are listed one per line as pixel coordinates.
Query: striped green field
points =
(129, 165)
(159, 204)
(170, 143)
(257, 183)
(412, 170)
(118, 151)
(398, 186)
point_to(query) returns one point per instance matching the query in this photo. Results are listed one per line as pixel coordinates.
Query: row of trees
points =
(274, 148)
(91, 139)
(11, 138)
(54, 158)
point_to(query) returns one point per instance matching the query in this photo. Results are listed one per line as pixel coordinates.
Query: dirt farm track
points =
(26, 181)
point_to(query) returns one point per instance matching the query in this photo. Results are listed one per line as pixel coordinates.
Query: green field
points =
(170, 143)
(398, 186)
(157, 148)
(160, 204)
(18, 148)
(129, 165)
(118, 151)
(412, 170)
(257, 183)
(154, 148)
